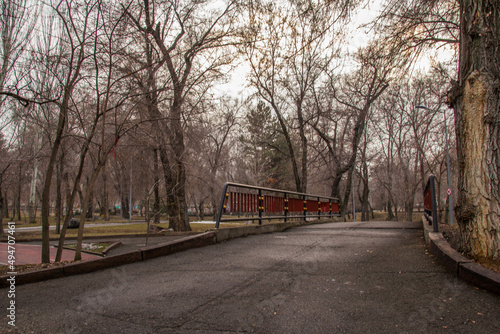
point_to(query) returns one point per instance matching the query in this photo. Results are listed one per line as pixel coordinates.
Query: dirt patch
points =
(487, 263)
(32, 267)
(452, 234)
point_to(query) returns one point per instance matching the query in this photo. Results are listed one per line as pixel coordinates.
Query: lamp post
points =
(450, 198)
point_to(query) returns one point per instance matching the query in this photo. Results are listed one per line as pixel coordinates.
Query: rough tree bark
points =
(105, 197)
(59, 198)
(1, 208)
(75, 64)
(156, 188)
(364, 176)
(18, 195)
(476, 101)
(63, 112)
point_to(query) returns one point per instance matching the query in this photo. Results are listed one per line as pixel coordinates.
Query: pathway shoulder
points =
(459, 265)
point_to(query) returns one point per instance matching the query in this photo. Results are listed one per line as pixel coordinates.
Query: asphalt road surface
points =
(331, 278)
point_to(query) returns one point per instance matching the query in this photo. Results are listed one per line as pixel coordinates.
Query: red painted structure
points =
(245, 202)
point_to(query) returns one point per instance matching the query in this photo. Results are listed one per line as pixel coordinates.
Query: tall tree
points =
(355, 93)
(76, 35)
(290, 45)
(184, 32)
(108, 97)
(219, 126)
(476, 101)
(5, 163)
(17, 20)
(364, 175)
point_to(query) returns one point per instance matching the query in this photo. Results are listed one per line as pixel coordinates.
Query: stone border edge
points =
(210, 237)
(459, 265)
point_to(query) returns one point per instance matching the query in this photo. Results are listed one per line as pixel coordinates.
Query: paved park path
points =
(328, 278)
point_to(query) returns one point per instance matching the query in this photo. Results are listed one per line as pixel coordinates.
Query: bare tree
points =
(107, 88)
(77, 39)
(411, 139)
(184, 32)
(356, 93)
(212, 138)
(415, 26)
(17, 20)
(364, 173)
(290, 45)
(5, 163)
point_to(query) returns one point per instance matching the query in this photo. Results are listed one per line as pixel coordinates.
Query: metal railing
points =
(259, 203)
(430, 206)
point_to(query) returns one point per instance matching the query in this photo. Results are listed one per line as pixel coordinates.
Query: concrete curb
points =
(441, 249)
(457, 264)
(195, 241)
(167, 248)
(480, 276)
(104, 251)
(111, 247)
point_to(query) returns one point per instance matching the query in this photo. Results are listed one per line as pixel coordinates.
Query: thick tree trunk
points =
(291, 149)
(34, 180)
(6, 213)
(174, 173)
(409, 208)
(58, 207)
(67, 195)
(105, 200)
(347, 195)
(304, 148)
(335, 192)
(125, 214)
(390, 213)
(365, 193)
(156, 188)
(178, 205)
(201, 210)
(1, 208)
(63, 111)
(478, 206)
(476, 101)
(172, 184)
(18, 196)
(90, 206)
(365, 202)
(86, 205)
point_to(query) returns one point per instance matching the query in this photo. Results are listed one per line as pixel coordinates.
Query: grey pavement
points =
(329, 278)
